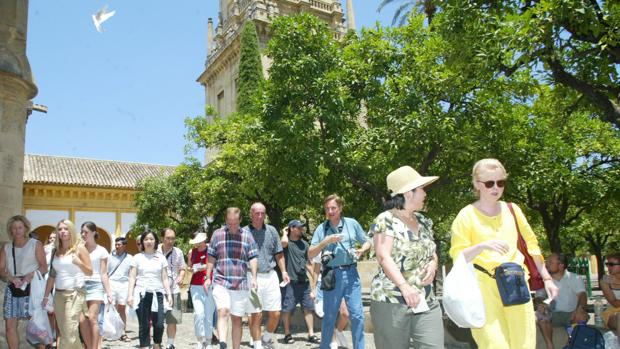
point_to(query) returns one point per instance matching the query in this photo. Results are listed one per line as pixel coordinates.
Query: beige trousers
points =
(68, 304)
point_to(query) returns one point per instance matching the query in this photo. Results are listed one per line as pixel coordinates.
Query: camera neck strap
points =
(327, 228)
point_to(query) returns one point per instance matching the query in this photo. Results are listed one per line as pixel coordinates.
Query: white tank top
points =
(68, 275)
(25, 257)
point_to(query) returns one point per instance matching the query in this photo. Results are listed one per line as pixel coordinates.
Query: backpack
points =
(585, 337)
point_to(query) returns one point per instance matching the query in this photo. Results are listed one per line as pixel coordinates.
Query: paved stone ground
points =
(186, 340)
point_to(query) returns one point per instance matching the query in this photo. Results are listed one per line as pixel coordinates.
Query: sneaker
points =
(288, 339)
(318, 309)
(341, 339)
(314, 339)
(170, 346)
(268, 344)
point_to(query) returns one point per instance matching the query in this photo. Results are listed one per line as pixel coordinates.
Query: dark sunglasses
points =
(611, 264)
(489, 184)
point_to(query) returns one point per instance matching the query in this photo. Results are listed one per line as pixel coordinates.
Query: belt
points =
(346, 266)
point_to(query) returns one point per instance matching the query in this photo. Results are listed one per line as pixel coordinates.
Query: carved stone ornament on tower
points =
(222, 62)
(16, 90)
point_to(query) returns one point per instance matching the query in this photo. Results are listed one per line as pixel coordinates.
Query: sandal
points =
(288, 339)
(124, 338)
(314, 339)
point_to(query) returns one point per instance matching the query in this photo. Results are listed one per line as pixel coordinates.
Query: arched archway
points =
(132, 244)
(43, 232)
(104, 239)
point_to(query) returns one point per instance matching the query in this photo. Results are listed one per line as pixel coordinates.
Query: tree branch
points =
(609, 108)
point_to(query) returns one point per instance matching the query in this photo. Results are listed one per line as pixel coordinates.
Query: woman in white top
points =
(97, 287)
(19, 260)
(71, 263)
(148, 279)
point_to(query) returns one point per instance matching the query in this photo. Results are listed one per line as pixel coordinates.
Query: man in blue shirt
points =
(339, 235)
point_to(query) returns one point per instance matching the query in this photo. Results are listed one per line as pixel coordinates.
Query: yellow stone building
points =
(82, 190)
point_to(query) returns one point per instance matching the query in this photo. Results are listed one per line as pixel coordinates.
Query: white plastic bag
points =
(462, 299)
(113, 325)
(611, 341)
(38, 329)
(37, 288)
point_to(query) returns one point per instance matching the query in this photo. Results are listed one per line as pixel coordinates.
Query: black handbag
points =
(328, 279)
(15, 291)
(510, 278)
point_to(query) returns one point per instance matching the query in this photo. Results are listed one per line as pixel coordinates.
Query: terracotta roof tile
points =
(44, 169)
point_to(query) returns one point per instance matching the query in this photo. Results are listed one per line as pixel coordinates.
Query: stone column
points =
(16, 91)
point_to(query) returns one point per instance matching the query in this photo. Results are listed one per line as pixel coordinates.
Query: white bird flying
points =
(102, 16)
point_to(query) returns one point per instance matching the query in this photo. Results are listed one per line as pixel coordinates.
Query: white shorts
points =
(268, 292)
(119, 292)
(234, 300)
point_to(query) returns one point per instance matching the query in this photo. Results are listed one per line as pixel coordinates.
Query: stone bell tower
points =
(17, 88)
(222, 63)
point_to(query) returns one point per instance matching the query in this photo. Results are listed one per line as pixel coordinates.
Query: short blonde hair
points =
(483, 166)
(13, 220)
(74, 242)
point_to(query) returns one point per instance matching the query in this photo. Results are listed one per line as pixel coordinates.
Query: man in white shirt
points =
(118, 271)
(569, 306)
(176, 272)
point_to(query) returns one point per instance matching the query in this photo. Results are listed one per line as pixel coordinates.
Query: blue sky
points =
(124, 94)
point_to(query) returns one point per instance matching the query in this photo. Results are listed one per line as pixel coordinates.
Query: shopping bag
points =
(113, 325)
(37, 290)
(462, 299)
(38, 329)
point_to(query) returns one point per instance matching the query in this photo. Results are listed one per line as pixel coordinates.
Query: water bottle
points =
(598, 312)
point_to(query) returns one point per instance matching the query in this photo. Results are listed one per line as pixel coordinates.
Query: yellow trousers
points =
(512, 327)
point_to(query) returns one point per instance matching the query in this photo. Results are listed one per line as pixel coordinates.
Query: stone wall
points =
(16, 91)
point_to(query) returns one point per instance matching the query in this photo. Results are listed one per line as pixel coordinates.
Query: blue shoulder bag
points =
(510, 278)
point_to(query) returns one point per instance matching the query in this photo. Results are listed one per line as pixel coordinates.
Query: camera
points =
(326, 257)
(352, 254)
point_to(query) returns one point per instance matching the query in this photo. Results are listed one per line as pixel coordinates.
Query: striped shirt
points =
(232, 253)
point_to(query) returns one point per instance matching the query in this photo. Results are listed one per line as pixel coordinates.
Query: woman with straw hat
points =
(403, 306)
(202, 295)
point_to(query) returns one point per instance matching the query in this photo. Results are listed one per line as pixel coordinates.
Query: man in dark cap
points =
(299, 290)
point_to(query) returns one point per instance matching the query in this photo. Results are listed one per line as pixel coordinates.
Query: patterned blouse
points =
(410, 251)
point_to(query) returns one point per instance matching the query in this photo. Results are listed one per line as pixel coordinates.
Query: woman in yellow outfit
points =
(485, 233)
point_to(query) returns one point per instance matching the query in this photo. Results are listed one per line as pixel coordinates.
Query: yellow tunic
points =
(510, 327)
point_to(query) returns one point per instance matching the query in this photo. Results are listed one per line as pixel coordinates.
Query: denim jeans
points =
(145, 314)
(349, 287)
(204, 307)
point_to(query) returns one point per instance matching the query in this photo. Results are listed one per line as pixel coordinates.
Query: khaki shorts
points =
(175, 315)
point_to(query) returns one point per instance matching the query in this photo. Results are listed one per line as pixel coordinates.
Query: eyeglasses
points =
(489, 184)
(611, 264)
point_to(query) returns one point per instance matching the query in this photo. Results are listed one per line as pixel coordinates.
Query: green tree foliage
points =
(250, 70)
(339, 116)
(428, 7)
(573, 43)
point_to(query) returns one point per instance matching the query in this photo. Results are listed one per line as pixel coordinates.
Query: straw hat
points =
(200, 237)
(405, 179)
